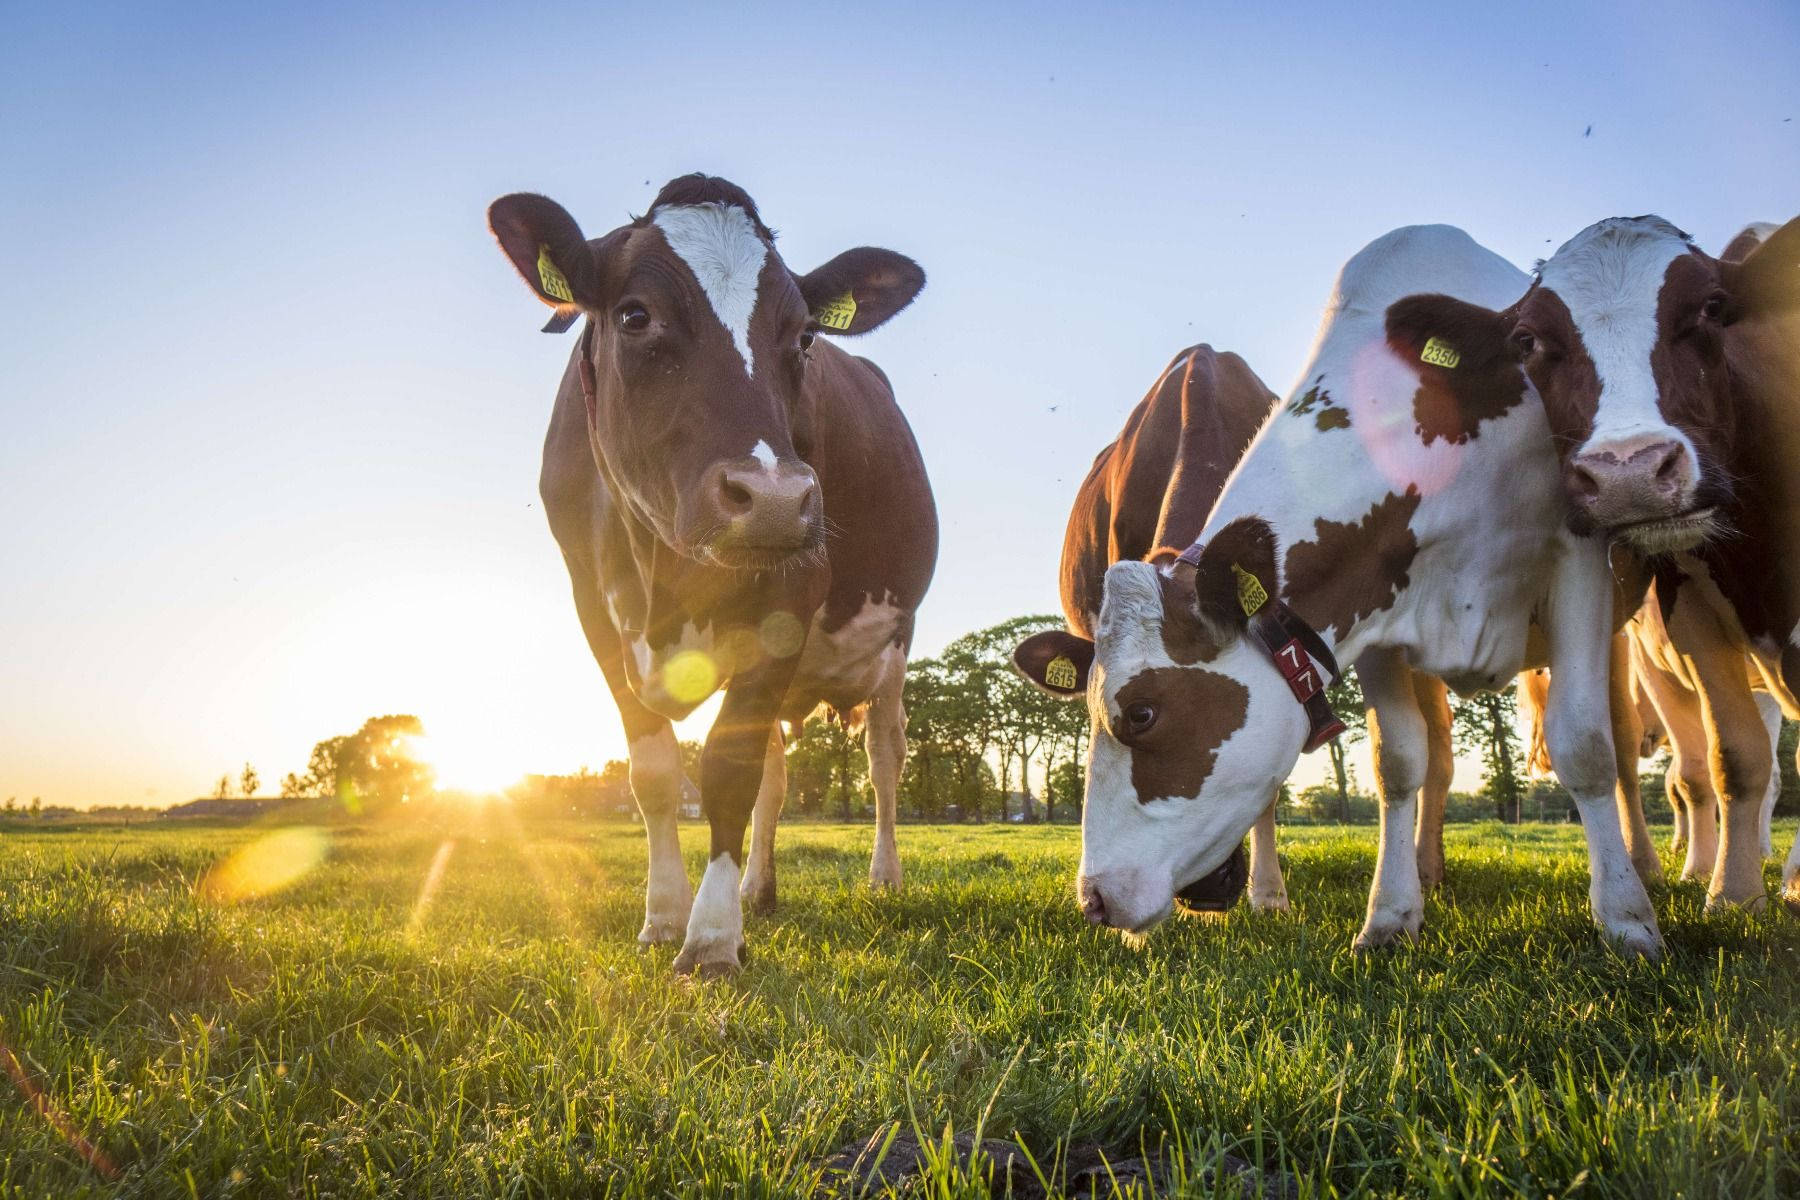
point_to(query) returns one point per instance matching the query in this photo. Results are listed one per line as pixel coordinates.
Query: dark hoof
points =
(763, 903)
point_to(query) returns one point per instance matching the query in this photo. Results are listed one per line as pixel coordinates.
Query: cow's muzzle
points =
(762, 514)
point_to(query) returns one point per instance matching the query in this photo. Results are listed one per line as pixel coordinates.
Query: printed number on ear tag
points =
(552, 279)
(1440, 354)
(837, 314)
(1061, 673)
(1251, 593)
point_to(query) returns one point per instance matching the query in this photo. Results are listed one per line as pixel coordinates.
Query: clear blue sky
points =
(273, 401)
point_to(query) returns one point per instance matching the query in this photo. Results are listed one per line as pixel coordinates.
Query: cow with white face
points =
(1401, 511)
(741, 507)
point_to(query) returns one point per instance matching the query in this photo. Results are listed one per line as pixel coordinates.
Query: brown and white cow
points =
(1147, 497)
(1417, 528)
(740, 504)
(1670, 380)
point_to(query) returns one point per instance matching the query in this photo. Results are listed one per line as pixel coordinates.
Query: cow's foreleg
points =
(1578, 733)
(1771, 715)
(1741, 765)
(1440, 767)
(656, 786)
(1627, 737)
(885, 742)
(1790, 873)
(731, 775)
(1402, 750)
(1268, 891)
(758, 887)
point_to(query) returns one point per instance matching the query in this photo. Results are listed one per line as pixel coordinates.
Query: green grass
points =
(511, 1040)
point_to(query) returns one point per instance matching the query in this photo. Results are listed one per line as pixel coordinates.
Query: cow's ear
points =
(1449, 334)
(1767, 282)
(1056, 662)
(1234, 575)
(860, 289)
(547, 248)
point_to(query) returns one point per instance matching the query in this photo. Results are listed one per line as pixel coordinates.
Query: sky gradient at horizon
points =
(273, 400)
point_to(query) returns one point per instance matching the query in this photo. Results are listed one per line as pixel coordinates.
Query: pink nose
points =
(1093, 905)
(1622, 483)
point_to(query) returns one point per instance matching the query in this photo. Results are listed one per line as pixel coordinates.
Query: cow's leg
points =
(1688, 781)
(656, 786)
(1741, 764)
(1678, 805)
(1702, 815)
(655, 768)
(1268, 892)
(885, 743)
(1790, 872)
(1440, 767)
(1578, 733)
(1770, 708)
(731, 775)
(1627, 736)
(1398, 731)
(758, 888)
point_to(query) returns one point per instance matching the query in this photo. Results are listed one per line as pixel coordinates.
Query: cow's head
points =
(694, 357)
(1623, 332)
(1193, 727)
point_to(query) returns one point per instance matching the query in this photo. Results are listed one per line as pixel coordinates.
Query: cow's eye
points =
(1714, 308)
(634, 318)
(1139, 718)
(806, 340)
(1524, 341)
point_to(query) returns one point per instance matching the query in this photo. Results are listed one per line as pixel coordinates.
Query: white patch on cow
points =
(764, 456)
(656, 785)
(720, 245)
(850, 664)
(716, 928)
(1610, 276)
(678, 676)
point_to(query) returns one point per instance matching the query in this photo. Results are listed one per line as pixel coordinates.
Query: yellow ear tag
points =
(1440, 354)
(552, 279)
(837, 314)
(1061, 673)
(1251, 594)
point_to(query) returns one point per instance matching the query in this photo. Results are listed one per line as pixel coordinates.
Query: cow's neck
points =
(1759, 567)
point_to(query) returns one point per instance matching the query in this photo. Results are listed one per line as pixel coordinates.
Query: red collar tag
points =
(1303, 676)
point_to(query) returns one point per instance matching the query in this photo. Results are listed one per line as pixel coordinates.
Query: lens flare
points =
(268, 864)
(428, 890)
(782, 633)
(690, 676)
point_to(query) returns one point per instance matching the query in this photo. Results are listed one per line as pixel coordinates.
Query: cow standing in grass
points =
(1419, 527)
(1670, 379)
(741, 505)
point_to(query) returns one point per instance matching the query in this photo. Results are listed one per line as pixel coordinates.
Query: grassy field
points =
(460, 1009)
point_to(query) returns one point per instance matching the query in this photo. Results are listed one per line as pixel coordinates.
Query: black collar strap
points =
(1288, 641)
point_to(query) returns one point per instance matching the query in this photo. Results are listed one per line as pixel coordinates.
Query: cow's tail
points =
(1534, 692)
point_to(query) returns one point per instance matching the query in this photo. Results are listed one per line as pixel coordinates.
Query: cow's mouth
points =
(736, 555)
(1219, 889)
(1667, 535)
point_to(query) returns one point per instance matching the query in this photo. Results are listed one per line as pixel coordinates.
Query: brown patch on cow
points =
(1485, 383)
(1316, 402)
(1197, 711)
(1350, 572)
(1688, 363)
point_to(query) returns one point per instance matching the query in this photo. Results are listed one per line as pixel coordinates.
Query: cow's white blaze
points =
(764, 456)
(1610, 275)
(720, 245)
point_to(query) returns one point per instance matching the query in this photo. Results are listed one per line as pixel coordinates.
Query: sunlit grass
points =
(457, 1007)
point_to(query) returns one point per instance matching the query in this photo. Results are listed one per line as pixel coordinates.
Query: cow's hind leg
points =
(886, 745)
(1268, 892)
(1770, 708)
(1678, 806)
(1628, 736)
(1790, 873)
(758, 888)
(1399, 733)
(1440, 767)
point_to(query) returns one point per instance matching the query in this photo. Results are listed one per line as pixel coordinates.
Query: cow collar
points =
(1288, 641)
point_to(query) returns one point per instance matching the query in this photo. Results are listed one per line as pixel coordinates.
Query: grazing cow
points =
(1402, 511)
(1669, 378)
(741, 505)
(1147, 497)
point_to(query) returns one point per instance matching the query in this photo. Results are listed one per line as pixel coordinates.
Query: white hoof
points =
(884, 872)
(1389, 927)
